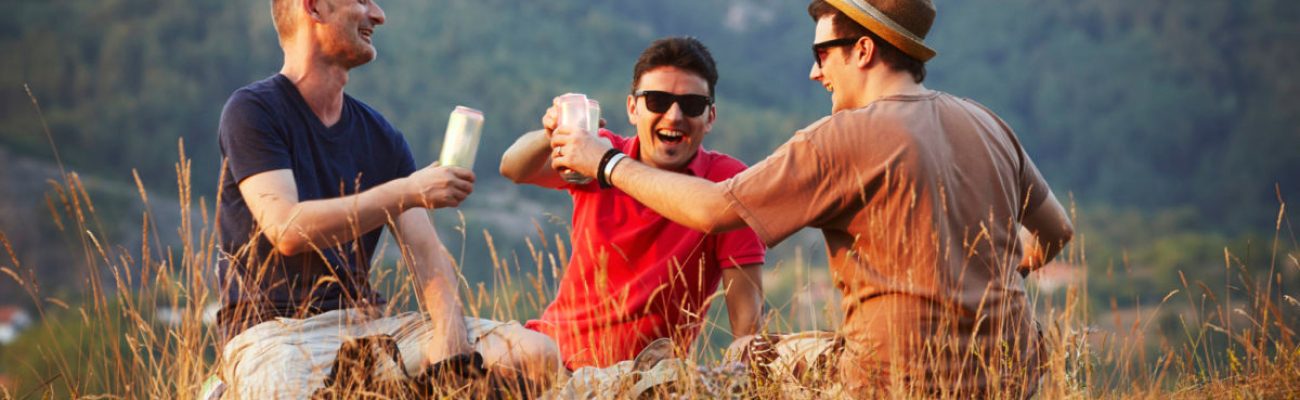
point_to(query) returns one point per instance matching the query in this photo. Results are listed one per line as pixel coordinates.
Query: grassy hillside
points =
(1166, 124)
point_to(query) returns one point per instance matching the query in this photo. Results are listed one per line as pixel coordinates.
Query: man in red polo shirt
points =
(636, 276)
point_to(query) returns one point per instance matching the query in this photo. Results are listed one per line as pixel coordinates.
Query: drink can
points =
(573, 110)
(460, 142)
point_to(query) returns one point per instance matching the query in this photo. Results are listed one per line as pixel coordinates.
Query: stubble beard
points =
(350, 51)
(356, 55)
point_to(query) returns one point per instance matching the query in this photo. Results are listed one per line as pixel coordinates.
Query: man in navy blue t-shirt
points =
(311, 178)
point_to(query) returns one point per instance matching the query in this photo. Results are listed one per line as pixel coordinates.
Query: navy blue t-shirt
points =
(267, 126)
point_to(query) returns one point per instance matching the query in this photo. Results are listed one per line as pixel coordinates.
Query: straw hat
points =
(902, 23)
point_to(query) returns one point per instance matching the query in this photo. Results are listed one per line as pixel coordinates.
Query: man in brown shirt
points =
(921, 197)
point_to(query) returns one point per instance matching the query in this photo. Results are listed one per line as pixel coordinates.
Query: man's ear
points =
(713, 116)
(866, 50)
(312, 9)
(631, 110)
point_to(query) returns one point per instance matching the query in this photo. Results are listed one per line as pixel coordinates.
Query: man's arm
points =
(1046, 231)
(295, 227)
(708, 209)
(744, 294)
(435, 283)
(528, 160)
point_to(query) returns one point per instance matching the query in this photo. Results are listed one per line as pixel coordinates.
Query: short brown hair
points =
(847, 27)
(682, 52)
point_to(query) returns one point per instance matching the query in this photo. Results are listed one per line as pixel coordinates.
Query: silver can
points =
(460, 142)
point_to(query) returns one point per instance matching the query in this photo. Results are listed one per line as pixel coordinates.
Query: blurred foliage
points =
(1164, 121)
(66, 358)
(1160, 104)
(1153, 105)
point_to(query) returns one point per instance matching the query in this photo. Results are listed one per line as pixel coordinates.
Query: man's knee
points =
(536, 354)
(523, 350)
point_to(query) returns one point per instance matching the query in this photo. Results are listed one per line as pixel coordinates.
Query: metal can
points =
(460, 142)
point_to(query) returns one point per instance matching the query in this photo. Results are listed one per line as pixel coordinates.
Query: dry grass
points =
(1236, 338)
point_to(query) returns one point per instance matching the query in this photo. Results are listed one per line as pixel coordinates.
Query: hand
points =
(575, 149)
(437, 186)
(1032, 258)
(551, 119)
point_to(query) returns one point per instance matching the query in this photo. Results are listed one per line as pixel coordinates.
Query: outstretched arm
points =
(528, 160)
(1047, 229)
(295, 227)
(435, 283)
(694, 202)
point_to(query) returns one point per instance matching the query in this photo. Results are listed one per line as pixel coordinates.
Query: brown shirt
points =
(920, 198)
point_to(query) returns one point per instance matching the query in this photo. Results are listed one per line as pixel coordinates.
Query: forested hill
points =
(1150, 105)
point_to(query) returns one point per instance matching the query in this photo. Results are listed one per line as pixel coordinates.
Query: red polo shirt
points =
(635, 276)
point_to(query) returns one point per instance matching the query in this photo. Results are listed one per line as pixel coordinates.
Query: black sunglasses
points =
(819, 49)
(693, 105)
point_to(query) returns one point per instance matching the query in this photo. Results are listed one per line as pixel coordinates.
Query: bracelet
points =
(609, 170)
(606, 167)
(600, 168)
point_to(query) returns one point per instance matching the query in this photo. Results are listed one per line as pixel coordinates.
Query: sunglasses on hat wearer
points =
(693, 105)
(819, 49)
